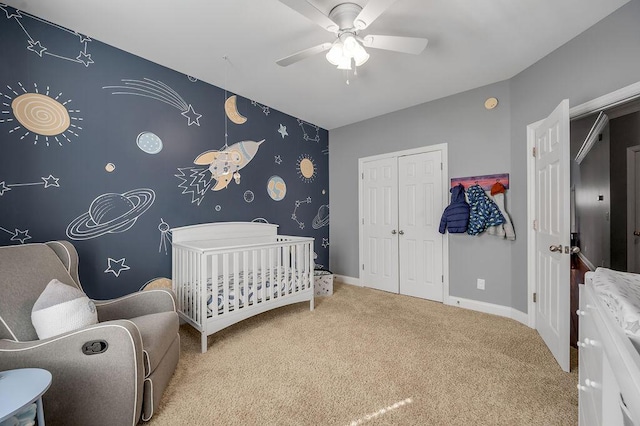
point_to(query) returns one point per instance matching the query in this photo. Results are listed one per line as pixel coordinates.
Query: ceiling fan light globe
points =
(345, 64)
(361, 58)
(334, 55)
(351, 45)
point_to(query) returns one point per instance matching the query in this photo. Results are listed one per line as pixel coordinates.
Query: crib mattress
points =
(620, 292)
(215, 298)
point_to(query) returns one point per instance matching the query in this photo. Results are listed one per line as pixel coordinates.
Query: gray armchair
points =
(137, 334)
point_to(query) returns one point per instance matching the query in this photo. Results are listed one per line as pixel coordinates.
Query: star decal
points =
(21, 236)
(308, 199)
(10, 14)
(277, 158)
(283, 131)
(116, 266)
(83, 38)
(192, 116)
(50, 181)
(325, 242)
(85, 58)
(36, 47)
(3, 188)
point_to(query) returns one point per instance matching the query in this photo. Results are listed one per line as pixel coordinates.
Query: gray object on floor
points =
(113, 372)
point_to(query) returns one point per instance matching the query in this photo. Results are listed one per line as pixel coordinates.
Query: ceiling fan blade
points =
(306, 9)
(370, 12)
(412, 45)
(303, 54)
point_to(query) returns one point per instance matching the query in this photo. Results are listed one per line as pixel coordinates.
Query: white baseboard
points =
(490, 308)
(586, 261)
(348, 280)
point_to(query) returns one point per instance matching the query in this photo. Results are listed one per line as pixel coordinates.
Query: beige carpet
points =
(370, 357)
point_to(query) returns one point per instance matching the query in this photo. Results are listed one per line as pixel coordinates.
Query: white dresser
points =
(609, 366)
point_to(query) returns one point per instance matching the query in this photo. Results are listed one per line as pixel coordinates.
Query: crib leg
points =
(203, 342)
(311, 304)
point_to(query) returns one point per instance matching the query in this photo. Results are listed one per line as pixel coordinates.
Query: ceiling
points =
(471, 44)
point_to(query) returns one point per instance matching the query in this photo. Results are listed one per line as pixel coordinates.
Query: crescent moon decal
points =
(231, 109)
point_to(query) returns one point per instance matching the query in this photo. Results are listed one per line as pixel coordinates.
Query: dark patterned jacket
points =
(484, 212)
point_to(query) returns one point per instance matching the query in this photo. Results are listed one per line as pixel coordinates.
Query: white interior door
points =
(380, 232)
(552, 262)
(633, 209)
(420, 243)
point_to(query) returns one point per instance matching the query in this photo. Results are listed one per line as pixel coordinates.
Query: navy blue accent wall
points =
(110, 151)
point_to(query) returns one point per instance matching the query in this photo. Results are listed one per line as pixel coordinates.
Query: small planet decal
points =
(111, 213)
(322, 217)
(276, 188)
(149, 142)
(110, 167)
(248, 196)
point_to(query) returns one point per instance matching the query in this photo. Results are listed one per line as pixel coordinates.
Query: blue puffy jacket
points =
(456, 216)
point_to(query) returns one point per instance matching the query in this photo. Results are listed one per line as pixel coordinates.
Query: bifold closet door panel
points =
(420, 207)
(380, 237)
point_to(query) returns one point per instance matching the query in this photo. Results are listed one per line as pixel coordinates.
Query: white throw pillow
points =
(62, 308)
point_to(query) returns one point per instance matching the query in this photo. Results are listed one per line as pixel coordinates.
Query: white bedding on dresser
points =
(620, 292)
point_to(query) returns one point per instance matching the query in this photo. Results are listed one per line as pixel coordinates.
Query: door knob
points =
(575, 249)
(401, 232)
(393, 232)
(636, 233)
(555, 248)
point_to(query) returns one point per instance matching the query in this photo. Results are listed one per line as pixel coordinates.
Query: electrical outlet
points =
(480, 284)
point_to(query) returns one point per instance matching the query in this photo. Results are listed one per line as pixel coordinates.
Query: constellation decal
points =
(165, 235)
(116, 266)
(283, 131)
(198, 182)
(158, 91)
(46, 182)
(265, 109)
(17, 235)
(326, 151)
(305, 135)
(325, 242)
(39, 49)
(306, 168)
(39, 114)
(111, 213)
(226, 163)
(294, 215)
(277, 159)
(249, 196)
(322, 217)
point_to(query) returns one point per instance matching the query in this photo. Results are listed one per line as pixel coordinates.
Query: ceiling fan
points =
(346, 20)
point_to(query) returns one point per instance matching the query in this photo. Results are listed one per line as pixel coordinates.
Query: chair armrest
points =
(103, 388)
(136, 304)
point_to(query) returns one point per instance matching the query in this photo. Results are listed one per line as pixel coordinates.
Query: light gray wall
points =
(478, 143)
(604, 58)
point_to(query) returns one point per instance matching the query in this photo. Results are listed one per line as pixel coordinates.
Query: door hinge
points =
(535, 297)
(363, 220)
(363, 266)
(441, 166)
(363, 175)
(535, 224)
(442, 278)
(534, 151)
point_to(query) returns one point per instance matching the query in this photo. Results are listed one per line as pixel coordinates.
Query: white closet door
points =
(420, 208)
(380, 238)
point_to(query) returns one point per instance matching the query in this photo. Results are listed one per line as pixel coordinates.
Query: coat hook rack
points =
(485, 181)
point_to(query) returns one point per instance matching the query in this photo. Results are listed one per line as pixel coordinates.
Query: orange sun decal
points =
(47, 118)
(306, 168)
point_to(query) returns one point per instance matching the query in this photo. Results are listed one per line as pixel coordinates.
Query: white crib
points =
(226, 272)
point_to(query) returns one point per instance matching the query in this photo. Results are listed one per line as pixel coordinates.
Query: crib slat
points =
(214, 284)
(245, 278)
(285, 276)
(254, 269)
(236, 280)
(225, 283)
(263, 269)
